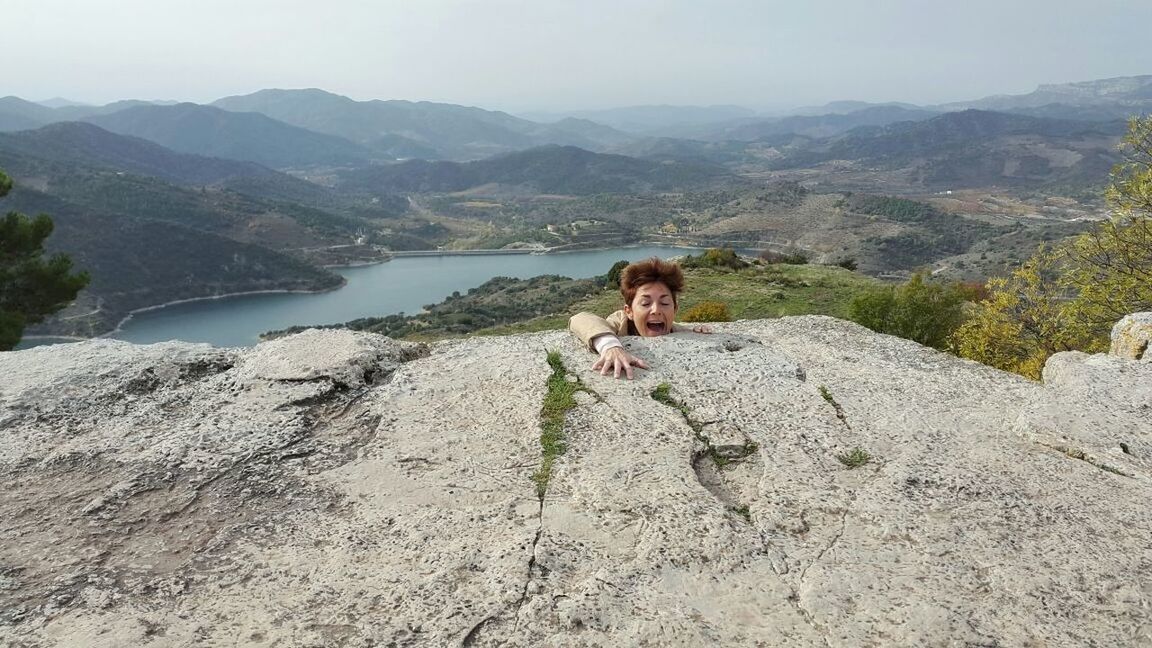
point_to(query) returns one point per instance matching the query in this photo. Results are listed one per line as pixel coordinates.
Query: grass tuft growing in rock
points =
(827, 395)
(743, 511)
(560, 397)
(854, 458)
(663, 394)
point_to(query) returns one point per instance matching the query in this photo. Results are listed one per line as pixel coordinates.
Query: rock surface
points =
(1132, 336)
(342, 489)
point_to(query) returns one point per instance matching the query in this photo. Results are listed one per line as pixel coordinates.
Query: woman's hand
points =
(701, 328)
(616, 359)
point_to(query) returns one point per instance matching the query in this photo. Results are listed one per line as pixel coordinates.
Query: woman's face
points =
(652, 310)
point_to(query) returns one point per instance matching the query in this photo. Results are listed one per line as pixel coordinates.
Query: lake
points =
(402, 285)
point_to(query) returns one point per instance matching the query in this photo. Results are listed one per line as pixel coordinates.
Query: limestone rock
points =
(342, 489)
(1131, 337)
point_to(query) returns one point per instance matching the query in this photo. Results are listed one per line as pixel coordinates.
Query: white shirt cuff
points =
(605, 341)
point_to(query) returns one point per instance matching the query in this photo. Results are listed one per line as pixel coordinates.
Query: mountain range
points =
(314, 128)
(547, 170)
(975, 148)
(453, 132)
(156, 198)
(251, 136)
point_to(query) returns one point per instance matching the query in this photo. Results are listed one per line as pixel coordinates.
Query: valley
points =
(264, 192)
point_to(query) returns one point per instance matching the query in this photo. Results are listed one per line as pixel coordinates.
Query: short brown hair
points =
(648, 271)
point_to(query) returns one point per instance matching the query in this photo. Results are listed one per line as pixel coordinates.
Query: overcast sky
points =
(569, 54)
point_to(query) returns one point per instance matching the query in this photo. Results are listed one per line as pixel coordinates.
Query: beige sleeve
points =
(586, 326)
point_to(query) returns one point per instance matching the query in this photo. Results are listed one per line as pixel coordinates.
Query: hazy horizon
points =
(552, 57)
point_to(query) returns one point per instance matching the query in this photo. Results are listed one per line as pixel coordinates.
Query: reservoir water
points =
(402, 285)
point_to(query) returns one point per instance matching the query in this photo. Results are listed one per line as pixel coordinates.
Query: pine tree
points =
(31, 287)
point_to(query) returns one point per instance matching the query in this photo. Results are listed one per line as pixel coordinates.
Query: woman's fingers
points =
(617, 360)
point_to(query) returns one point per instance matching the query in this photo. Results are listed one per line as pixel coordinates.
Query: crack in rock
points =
(531, 570)
(474, 632)
(795, 597)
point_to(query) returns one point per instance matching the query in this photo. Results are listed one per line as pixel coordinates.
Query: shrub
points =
(708, 311)
(847, 264)
(715, 258)
(790, 258)
(924, 312)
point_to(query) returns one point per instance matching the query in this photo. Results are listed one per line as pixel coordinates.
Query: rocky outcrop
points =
(1131, 337)
(792, 482)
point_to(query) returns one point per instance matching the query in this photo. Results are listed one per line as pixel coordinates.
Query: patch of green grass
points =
(760, 292)
(743, 512)
(854, 458)
(827, 395)
(559, 398)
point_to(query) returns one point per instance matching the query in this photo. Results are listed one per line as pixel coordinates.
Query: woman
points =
(650, 289)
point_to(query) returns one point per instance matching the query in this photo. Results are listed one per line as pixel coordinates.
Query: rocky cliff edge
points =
(794, 482)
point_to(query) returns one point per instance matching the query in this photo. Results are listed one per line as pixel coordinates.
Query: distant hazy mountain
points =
(845, 107)
(825, 125)
(905, 140)
(10, 122)
(76, 113)
(975, 148)
(1099, 112)
(60, 102)
(20, 114)
(58, 150)
(548, 169)
(645, 120)
(205, 130)
(453, 132)
(1129, 91)
(90, 145)
(584, 133)
(714, 153)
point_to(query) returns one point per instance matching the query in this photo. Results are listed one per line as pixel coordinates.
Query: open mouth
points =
(656, 328)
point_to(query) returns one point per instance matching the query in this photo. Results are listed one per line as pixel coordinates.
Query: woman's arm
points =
(588, 326)
(602, 336)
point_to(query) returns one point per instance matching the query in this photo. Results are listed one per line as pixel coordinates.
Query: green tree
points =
(612, 279)
(1068, 297)
(1024, 320)
(31, 287)
(918, 310)
(714, 258)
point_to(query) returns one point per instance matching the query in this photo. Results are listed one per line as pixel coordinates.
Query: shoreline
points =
(542, 251)
(344, 280)
(245, 293)
(73, 338)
